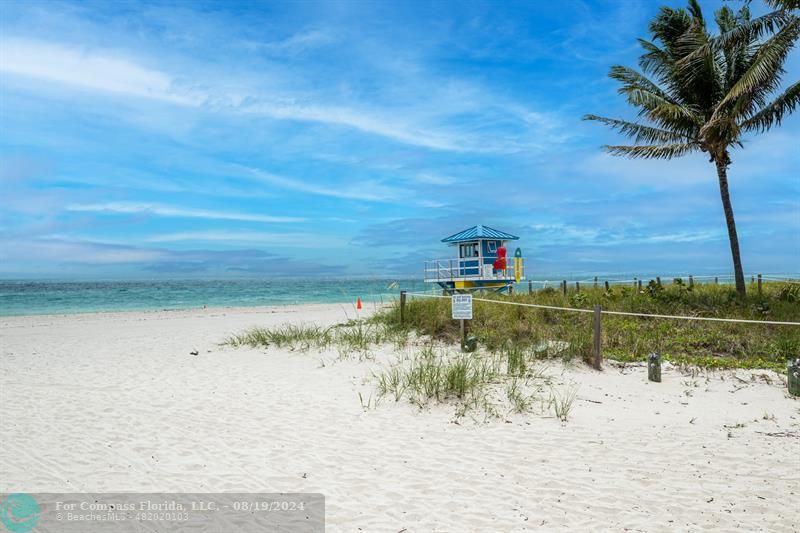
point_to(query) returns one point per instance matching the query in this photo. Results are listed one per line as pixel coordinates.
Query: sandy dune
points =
(115, 402)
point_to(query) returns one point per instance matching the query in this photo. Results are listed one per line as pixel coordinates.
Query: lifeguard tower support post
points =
(481, 262)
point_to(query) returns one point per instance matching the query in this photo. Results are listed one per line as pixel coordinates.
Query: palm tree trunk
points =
(722, 173)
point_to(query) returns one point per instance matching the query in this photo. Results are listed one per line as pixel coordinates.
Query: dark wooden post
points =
(691, 281)
(595, 282)
(640, 285)
(530, 287)
(578, 286)
(597, 355)
(759, 284)
(658, 280)
(654, 367)
(606, 286)
(716, 280)
(794, 377)
(402, 307)
(752, 279)
(564, 287)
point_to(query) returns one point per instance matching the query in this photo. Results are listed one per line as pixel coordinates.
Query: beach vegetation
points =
(552, 334)
(563, 401)
(353, 338)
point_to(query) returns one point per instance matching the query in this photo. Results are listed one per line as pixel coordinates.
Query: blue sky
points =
(187, 139)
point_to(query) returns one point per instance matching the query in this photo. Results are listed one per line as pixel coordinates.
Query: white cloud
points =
(295, 44)
(571, 234)
(418, 123)
(435, 179)
(294, 240)
(360, 120)
(171, 211)
(54, 251)
(89, 70)
(363, 191)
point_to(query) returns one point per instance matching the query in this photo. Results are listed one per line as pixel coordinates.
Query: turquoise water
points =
(56, 297)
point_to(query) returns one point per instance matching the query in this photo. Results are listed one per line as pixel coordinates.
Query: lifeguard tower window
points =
(492, 247)
(468, 250)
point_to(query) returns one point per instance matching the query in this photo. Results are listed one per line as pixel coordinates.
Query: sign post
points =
(462, 311)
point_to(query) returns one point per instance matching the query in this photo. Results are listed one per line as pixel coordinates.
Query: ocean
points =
(59, 297)
(37, 297)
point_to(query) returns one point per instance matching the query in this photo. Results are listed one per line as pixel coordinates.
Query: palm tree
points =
(708, 91)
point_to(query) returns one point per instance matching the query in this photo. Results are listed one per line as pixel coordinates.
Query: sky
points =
(337, 139)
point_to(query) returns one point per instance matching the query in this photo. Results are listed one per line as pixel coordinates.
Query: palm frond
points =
(763, 74)
(653, 151)
(674, 116)
(655, 61)
(655, 103)
(639, 132)
(744, 33)
(773, 113)
(784, 4)
(632, 80)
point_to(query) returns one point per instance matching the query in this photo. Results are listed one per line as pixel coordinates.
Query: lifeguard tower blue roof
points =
(480, 232)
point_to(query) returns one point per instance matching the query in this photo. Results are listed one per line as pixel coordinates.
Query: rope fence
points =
(654, 359)
(607, 312)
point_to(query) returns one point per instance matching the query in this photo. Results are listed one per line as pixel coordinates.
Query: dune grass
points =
(512, 380)
(352, 339)
(551, 333)
(507, 371)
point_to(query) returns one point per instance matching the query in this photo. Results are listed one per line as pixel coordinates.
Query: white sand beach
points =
(116, 402)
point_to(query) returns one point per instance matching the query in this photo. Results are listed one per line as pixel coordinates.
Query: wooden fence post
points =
(578, 286)
(759, 284)
(530, 287)
(606, 285)
(640, 285)
(564, 287)
(654, 367)
(691, 281)
(752, 279)
(794, 377)
(402, 307)
(658, 280)
(595, 282)
(597, 355)
(716, 280)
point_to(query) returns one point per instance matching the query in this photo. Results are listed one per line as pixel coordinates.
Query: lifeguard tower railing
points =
(465, 269)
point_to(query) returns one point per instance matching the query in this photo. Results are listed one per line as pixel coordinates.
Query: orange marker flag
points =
(358, 303)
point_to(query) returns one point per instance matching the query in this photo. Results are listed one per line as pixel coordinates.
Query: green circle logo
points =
(19, 513)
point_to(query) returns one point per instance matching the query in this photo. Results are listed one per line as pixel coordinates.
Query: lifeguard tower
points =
(480, 262)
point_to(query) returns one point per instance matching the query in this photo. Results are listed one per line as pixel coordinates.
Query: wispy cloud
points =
(53, 252)
(109, 72)
(295, 44)
(172, 211)
(362, 191)
(90, 70)
(291, 240)
(430, 178)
